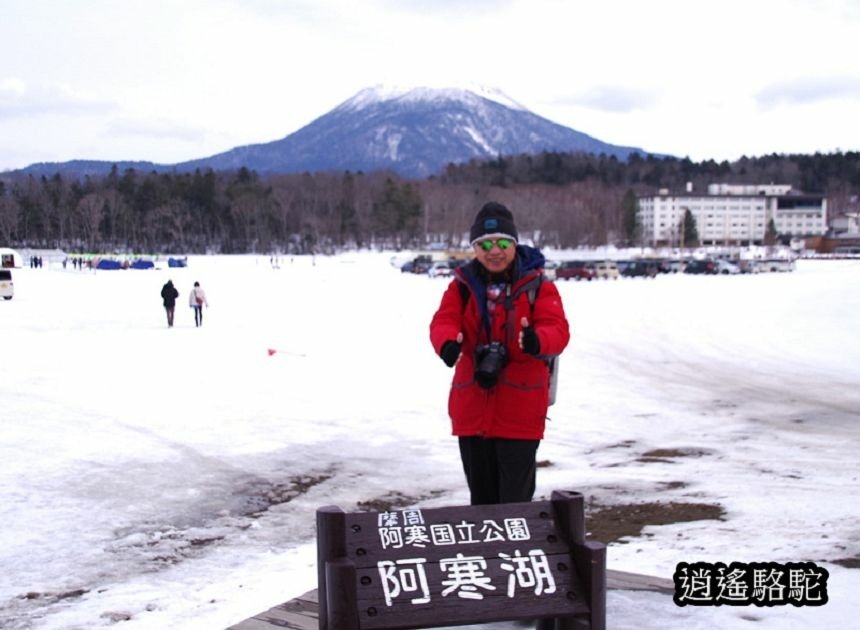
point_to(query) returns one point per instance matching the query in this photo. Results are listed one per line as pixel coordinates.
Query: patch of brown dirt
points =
(848, 563)
(393, 501)
(668, 455)
(611, 523)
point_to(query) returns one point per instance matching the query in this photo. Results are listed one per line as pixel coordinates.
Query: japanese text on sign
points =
(408, 529)
(465, 576)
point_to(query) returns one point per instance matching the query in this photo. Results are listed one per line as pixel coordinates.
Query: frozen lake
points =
(170, 476)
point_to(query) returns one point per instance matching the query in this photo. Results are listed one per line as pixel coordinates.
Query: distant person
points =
(197, 300)
(496, 323)
(169, 295)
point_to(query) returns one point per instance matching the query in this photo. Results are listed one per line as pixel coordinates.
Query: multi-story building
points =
(732, 214)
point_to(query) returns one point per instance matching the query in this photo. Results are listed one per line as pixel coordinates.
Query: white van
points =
(606, 269)
(7, 287)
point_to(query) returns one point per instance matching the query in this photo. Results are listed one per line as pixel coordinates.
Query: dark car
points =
(420, 264)
(576, 270)
(664, 265)
(701, 266)
(640, 269)
(623, 265)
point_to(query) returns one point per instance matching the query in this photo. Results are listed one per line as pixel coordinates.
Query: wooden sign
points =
(421, 568)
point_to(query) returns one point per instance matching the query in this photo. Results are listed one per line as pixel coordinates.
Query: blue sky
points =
(173, 80)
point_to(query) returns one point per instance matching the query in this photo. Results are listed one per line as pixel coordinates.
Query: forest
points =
(558, 199)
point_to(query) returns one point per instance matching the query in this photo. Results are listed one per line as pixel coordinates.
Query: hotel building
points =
(732, 214)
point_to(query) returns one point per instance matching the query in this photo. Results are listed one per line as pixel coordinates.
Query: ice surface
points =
(171, 475)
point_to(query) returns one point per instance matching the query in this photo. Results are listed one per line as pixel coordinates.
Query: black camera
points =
(490, 359)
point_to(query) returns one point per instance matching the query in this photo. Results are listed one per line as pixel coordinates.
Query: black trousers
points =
(499, 470)
(198, 315)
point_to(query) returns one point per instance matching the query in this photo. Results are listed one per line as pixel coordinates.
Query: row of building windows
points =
(735, 213)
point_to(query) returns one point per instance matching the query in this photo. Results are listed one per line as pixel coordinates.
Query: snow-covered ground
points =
(170, 476)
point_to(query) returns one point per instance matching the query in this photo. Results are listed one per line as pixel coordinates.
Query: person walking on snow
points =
(497, 322)
(168, 296)
(197, 300)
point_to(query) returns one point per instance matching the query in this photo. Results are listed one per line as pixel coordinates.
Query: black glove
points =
(531, 342)
(450, 352)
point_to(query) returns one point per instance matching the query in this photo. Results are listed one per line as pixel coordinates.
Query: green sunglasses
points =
(503, 243)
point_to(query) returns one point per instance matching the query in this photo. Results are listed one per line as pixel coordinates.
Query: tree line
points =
(559, 199)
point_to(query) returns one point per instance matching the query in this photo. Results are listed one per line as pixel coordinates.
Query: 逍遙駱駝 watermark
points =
(756, 583)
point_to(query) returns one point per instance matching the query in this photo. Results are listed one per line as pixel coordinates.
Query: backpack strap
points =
(530, 288)
(464, 294)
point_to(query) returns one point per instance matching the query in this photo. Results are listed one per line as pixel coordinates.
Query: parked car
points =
(675, 265)
(7, 287)
(442, 268)
(727, 267)
(749, 265)
(419, 264)
(640, 269)
(550, 267)
(606, 269)
(661, 265)
(778, 264)
(623, 265)
(701, 266)
(575, 270)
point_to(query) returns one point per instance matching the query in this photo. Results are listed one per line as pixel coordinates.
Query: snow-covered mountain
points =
(413, 131)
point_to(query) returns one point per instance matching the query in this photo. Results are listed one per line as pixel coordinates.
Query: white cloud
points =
(234, 72)
(612, 98)
(810, 90)
(18, 99)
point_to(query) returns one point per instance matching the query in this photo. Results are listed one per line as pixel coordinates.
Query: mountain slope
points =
(415, 133)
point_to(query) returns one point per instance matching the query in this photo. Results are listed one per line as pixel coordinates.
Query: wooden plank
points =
(302, 611)
(255, 623)
(623, 580)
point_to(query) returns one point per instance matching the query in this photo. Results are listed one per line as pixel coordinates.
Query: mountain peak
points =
(410, 94)
(413, 131)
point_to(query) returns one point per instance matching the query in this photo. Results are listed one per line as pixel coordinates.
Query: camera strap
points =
(531, 287)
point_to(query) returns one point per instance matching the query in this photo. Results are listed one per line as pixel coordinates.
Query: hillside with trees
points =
(560, 199)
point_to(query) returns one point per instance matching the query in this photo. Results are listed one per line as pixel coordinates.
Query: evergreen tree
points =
(689, 230)
(630, 218)
(770, 235)
(396, 213)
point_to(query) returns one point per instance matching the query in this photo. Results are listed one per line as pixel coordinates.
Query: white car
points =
(7, 287)
(441, 269)
(726, 267)
(606, 270)
(549, 268)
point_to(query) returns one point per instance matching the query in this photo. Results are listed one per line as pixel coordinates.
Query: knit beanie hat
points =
(493, 220)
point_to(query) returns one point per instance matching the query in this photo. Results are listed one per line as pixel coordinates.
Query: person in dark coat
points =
(497, 322)
(168, 296)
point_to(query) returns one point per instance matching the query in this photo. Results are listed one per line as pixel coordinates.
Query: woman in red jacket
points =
(497, 321)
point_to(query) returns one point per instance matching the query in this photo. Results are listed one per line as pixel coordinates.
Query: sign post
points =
(422, 568)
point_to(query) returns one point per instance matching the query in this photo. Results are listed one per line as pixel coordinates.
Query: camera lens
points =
(490, 359)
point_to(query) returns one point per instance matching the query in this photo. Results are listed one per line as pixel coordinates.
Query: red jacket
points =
(516, 407)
